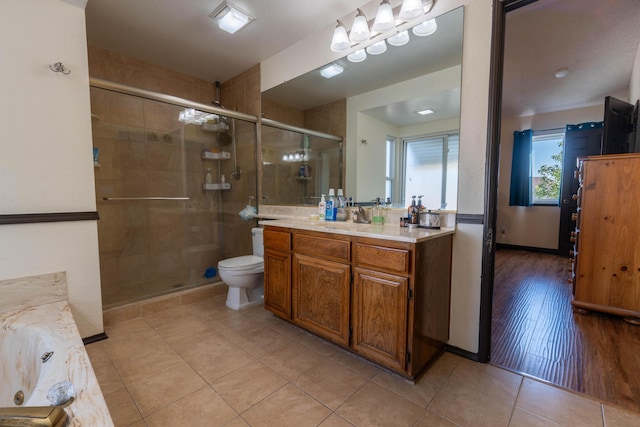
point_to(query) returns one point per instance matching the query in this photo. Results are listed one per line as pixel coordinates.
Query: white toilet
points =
(245, 275)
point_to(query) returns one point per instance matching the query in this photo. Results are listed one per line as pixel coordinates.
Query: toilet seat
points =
(241, 263)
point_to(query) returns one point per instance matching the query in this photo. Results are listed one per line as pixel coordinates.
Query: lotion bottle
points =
(208, 179)
(331, 206)
(322, 208)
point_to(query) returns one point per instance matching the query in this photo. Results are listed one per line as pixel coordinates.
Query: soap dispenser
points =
(322, 208)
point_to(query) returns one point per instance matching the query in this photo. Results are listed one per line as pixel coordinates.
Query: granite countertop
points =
(377, 231)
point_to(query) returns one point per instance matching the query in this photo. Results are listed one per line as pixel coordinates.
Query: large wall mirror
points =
(390, 150)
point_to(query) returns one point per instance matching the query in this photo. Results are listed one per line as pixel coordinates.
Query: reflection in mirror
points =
(382, 96)
(298, 167)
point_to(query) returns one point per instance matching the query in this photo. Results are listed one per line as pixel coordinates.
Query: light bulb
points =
(399, 39)
(384, 18)
(411, 9)
(360, 28)
(357, 56)
(377, 48)
(340, 40)
(426, 28)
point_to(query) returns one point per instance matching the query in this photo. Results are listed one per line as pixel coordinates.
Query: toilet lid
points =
(241, 263)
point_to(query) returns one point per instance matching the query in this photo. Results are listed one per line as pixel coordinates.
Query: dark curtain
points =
(520, 191)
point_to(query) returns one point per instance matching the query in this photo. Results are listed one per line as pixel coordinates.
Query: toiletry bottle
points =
(223, 179)
(415, 212)
(331, 206)
(322, 207)
(376, 212)
(340, 198)
(208, 177)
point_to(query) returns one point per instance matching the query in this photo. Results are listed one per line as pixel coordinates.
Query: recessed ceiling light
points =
(331, 70)
(562, 72)
(425, 112)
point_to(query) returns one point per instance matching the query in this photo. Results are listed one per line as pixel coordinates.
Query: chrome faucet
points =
(359, 216)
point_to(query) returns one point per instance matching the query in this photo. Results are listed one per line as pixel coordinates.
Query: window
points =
(390, 171)
(546, 167)
(430, 169)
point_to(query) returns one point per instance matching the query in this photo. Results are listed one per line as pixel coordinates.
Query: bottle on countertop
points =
(377, 215)
(322, 208)
(330, 211)
(223, 179)
(414, 212)
(208, 179)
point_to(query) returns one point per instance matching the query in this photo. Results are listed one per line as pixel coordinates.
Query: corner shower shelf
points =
(221, 186)
(208, 155)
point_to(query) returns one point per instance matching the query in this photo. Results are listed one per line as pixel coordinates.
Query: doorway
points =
(493, 266)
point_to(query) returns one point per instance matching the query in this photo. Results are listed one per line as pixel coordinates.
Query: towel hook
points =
(59, 67)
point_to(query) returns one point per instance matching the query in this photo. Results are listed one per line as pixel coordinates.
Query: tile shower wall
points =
(150, 248)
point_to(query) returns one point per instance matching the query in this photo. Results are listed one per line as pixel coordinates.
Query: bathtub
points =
(39, 347)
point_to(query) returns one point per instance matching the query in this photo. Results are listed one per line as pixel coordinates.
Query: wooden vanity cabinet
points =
(607, 236)
(387, 301)
(321, 285)
(277, 272)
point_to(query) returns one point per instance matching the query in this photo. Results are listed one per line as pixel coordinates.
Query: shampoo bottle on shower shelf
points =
(322, 208)
(208, 179)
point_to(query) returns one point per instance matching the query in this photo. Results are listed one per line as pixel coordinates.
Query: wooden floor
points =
(535, 332)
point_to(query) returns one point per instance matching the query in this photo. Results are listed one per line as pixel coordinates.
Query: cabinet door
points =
(277, 282)
(321, 297)
(380, 303)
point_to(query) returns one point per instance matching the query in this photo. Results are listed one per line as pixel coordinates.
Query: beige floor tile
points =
(374, 405)
(427, 419)
(139, 423)
(237, 422)
(191, 347)
(467, 407)
(108, 378)
(558, 405)
(522, 418)
(203, 407)
(220, 360)
(419, 393)
(121, 407)
(177, 322)
(148, 361)
(248, 385)
(259, 340)
(331, 383)
(293, 360)
(154, 392)
(492, 382)
(98, 354)
(617, 417)
(289, 406)
(441, 369)
(335, 421)
(356, 363)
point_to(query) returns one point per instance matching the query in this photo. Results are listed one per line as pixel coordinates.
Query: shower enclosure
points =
(171, 177)
(298, 165)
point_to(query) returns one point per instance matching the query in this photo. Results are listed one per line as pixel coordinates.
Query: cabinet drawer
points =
(378, 257)
(333, 249)
(279, 240)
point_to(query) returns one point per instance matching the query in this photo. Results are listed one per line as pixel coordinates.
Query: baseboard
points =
(463, 353)
(527, 248)
(94, 338)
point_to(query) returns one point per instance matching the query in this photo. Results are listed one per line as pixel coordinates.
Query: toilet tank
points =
(257, 240)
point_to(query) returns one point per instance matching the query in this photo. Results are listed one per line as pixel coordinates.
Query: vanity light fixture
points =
(399, 39)
(411, 9)
(384, 18)
(340, 40)
(360, 29)
(331, 70)
(426, 28)
(357, 56)
(377, 48)
(230, 18)
(425, 112)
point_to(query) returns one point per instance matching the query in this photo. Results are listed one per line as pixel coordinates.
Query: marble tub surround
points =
(376, 231)
(54, 324)
(24, 292)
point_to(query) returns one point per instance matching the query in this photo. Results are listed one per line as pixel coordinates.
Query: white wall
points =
(634, 84)
(46, 162)
(533, 226)
(370, 158)
(312, 52)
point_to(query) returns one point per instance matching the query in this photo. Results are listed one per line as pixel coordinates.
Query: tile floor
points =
(202, 364)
